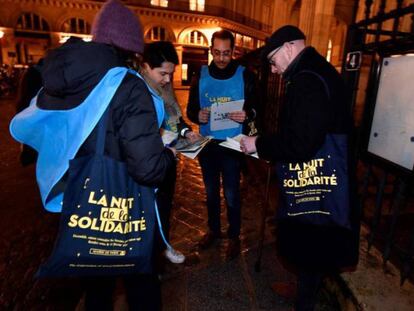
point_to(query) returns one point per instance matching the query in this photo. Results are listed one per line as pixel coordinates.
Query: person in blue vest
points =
(223, 81)
(157, 68)
(72, 85)
(316, 106)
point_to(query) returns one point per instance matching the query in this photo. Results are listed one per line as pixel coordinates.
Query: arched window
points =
(157, 33)
(31, 21)
(196, 37)
(76, 25)
(163, 3)
(197, 5)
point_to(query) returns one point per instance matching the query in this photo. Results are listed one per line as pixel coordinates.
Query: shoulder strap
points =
(320, 78)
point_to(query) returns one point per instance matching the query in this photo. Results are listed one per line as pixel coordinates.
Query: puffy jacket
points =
(71, 72)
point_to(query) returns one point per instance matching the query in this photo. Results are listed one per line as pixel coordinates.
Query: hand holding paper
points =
(235, 144)
(248, 144)
(220, 115)
(238, 116)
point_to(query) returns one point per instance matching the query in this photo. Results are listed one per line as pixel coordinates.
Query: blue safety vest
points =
(57, 135)
(220, 91)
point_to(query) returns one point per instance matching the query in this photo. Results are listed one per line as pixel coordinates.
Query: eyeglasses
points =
(271, 61)
(218, 53)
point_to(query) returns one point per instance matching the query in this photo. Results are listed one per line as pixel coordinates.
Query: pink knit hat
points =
(117, 25)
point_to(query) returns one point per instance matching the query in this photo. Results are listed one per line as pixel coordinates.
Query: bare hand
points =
(248, 144)
(192, 136)
(203, 115)
(238, 116)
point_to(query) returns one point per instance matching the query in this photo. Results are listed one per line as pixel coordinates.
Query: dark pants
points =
(308, 285)
(143, 292)
(216, 162)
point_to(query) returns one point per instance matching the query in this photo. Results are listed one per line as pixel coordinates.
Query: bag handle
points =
(101, 135)
(320, 78)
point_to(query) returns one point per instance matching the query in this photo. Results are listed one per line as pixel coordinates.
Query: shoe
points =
(208, 239)
(233, 248)
(174, 256)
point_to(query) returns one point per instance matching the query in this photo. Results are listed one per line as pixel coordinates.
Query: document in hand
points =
(191, 149)
(168, 136)
(234, 143)
(219, 115)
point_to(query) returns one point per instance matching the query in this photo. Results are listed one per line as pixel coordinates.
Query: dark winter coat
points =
(308, 114)
(69, 75)
(250, 91)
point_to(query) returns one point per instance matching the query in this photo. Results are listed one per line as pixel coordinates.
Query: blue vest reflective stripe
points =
(158, 101)
(213, 90)
(58, 134)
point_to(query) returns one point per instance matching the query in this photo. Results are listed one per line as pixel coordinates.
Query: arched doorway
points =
(195, 54)
(32, 38)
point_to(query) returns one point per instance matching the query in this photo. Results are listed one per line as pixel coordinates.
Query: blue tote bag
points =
(317, 191)
(107, 221)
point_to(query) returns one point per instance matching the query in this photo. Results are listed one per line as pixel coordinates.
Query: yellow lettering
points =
(84, 222)
(103, 201)
(116, 202)
(73, 220)
(91, 197)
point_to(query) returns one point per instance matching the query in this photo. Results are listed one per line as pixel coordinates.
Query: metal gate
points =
(371, 44)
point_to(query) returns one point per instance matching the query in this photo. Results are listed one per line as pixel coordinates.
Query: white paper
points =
(219, 119)
(194, 154)
(168, 136)
(234, 143)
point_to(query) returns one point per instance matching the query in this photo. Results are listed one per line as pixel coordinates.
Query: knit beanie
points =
(117, 25)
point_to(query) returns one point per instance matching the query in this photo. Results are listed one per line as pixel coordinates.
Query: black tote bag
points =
(107, 221)
(317, 191)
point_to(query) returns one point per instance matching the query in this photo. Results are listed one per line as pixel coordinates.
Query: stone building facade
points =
(29, 28)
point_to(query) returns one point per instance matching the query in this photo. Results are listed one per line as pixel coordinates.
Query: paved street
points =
(206, 281)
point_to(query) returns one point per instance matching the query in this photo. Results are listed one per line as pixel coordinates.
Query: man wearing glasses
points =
(223, 81)
(315, 105)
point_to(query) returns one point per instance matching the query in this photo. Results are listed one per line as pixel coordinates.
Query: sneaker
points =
(174, 256)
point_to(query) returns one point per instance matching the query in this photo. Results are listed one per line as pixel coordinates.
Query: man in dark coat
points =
(315, 105)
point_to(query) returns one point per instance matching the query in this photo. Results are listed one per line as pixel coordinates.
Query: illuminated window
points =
(184, 72)
(197, 38)
(329, 51)
(197, 5)
(247, 42)
(157, 34)
(163, 3)
(31, 21)
(260, 43)
(239, 39)
(76, 25)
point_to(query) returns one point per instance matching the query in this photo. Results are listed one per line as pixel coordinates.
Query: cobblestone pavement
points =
(206, 281)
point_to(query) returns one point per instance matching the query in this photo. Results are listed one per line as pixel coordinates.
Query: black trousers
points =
(308, 285)
(143, 292)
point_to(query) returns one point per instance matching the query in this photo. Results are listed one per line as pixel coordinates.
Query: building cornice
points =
(177, 16)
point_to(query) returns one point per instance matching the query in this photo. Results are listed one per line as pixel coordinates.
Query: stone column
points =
(281, 13)
(315, 22)
(177, 73)
(307, 18)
